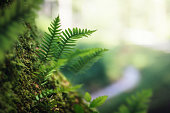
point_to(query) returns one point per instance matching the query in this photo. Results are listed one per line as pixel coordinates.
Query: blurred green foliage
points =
(137, 103)
(154, 69)
(12, 14)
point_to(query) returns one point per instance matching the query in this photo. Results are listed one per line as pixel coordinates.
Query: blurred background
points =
(136, 32)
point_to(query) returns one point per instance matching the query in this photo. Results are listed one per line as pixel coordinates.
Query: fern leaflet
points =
(85, 61)
(50, 40)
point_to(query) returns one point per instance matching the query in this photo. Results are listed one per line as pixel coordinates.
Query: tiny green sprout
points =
(87, 97)
(98, 101)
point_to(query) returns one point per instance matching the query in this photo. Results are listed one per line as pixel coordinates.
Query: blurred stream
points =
(129, 80)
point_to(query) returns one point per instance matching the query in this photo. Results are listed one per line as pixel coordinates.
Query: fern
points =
(68, 39)
(50, 40)
(11, 21)
(137, 103)
(85, 59)
(58, 44)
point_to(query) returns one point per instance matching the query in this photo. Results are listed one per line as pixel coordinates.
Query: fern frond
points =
(137, 103)
(85, 60)
(68, 40)
(50, 41)
(81, 52)
(11, 21)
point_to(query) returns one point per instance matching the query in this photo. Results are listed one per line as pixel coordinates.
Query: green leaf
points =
(87, 97)
(98, 101)
(78, 109)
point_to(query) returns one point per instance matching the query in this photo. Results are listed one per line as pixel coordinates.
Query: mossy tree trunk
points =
(20, 85)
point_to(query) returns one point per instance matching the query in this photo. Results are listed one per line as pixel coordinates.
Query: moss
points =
(7, 99)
